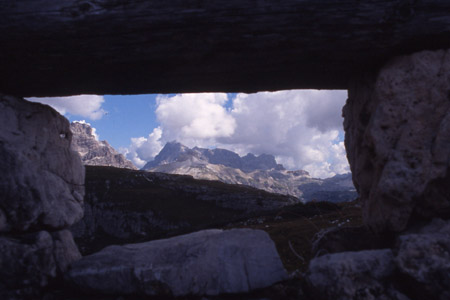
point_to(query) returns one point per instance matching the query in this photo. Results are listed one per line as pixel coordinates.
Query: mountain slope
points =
(261, 172)
(123, 205)
(94, 152)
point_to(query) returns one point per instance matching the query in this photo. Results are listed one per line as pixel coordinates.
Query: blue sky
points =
(125, 117)
(302, 129)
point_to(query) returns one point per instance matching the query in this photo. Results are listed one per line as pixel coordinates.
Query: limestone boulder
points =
(41, 179)
(208, 262)
(29, 261)
(353, 275)
(424, 259)
(397, 127)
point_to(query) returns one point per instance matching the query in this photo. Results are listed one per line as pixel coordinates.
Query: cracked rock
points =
(41, 179)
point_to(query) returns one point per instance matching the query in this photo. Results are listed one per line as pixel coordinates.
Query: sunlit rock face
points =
(398, 140)
(41, 179)
(94, 152)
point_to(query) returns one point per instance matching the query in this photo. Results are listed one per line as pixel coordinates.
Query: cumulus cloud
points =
(86, 106)
(194, 118)
(144, 149)
(300, 127)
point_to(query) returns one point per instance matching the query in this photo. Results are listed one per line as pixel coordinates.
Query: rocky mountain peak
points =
(94, 152)
(260, 171)
(83, 128)
(171, 152)
(177, 152)
(261, 162)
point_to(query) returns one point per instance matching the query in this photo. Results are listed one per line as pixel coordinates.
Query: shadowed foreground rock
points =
(41, 179)
(424, 259)
(353, 275)
(398, 140)
(208, 262)
(29, 261)
(41, 192)
(418, 267)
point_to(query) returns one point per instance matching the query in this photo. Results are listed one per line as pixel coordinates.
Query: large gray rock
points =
(29, 261)
(41, 179)
(353, 275)
(209, 262)
(94, 152)
(424, 258)
(398, 140)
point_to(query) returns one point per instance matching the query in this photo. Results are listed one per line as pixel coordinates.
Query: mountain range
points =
(258, 171)
(262, 172)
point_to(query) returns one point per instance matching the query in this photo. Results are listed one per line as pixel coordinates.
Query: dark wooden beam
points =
(64, 47)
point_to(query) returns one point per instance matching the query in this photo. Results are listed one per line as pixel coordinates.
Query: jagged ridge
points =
(94, 152)
(261, 172)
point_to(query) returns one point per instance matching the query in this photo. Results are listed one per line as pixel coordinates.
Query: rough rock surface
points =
(424, 258)
(94, 152)
(353, 275)
(261, 172)
(29, 261)
(398, 140)
(209, 262)
(41, 179)
(417, 267)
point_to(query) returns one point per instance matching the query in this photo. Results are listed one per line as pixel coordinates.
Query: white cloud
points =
(300, 127)
(194, 118)
(86, 106)
(144, 149)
